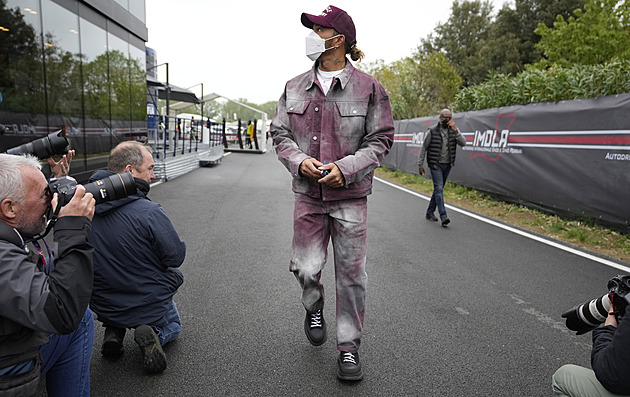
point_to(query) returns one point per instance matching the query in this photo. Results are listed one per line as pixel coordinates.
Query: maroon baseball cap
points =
(336, 18)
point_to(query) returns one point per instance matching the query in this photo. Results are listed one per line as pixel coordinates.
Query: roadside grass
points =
(585, 234)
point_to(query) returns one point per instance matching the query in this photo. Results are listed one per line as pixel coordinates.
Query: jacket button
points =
(314, 138)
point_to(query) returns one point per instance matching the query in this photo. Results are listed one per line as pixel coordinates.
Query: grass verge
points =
(582, 234)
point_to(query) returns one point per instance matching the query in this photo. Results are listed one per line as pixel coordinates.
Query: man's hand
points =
(334, 178)
(611, 319)
(62, 167)
(82, 204)
(421, 170)
(452, 125)
(310, 168)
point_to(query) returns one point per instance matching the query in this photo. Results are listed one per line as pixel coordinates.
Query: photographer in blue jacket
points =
(136, 260)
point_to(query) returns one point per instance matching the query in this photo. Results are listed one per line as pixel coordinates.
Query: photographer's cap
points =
(336, 18)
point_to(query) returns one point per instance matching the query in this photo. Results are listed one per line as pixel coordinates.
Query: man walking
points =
(333, 126)
(440, 141)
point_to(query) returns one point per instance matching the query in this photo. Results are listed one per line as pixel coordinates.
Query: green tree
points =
(597, 34)
(439, 83)
(231, 108)
(269, 108)
(417, 86)
(476, 45)
(211, 109)
(513, 29)
(461, 39)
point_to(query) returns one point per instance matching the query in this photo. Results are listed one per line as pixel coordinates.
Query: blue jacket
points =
(136, 255)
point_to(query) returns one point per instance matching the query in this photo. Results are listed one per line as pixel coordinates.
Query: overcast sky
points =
(250, 48)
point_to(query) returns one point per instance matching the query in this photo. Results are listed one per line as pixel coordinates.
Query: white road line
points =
(554, 244)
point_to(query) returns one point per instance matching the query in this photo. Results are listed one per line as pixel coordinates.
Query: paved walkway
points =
(464, 311)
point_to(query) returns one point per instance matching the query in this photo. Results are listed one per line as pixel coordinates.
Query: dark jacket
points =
(610, 357)
(137, 251)
(435, 146)
(33, 304)
(432, 147)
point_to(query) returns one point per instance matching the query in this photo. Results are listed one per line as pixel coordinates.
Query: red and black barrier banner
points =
(570, 158)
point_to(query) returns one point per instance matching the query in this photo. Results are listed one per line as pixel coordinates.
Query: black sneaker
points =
(113, 342)
(349, 366)
(315, 328)
(154, 357)
(431, 217)
(445, 222)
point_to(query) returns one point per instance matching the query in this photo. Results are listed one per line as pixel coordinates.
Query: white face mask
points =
(315, 45)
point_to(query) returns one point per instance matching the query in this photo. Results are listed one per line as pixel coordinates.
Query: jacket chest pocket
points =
(351, 118)
(298, 118)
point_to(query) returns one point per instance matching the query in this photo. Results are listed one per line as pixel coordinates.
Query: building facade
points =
(76, 65)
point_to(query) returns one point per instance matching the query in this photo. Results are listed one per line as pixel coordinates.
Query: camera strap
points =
(614, 311)
(47, 264)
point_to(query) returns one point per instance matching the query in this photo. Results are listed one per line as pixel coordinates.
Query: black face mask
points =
(444, 123)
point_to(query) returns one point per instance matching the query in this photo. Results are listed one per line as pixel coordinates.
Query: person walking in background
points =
(332, 127)
(440, 142)
(136, 260)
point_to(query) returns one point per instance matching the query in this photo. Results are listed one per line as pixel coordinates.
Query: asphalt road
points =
(468, 310)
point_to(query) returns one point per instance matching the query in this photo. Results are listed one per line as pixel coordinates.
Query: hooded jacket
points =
(136, 255)
(34, 302)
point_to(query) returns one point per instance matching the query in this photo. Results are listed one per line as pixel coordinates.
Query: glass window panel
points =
(63, 62)
(95, 71)
(120, 94)
(137, 64)
(22, 107)
(95, 91)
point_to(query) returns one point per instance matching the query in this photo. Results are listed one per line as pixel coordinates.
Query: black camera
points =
(113, 187)
(583, 318)
(43, 148)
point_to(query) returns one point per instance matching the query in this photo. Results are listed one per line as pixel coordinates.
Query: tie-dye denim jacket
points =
(352, 127)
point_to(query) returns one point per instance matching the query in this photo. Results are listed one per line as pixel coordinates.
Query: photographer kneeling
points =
(45, 326)
(610, 360)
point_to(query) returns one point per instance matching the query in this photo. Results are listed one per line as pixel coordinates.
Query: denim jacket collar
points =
(343, 77)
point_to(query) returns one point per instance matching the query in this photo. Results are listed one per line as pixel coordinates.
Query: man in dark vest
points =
(440, 142)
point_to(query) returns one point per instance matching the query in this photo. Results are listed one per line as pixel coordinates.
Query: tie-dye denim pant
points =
(315, 222)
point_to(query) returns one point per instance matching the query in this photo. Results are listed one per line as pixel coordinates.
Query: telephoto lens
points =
(43, 148)
(113, 187)
(585, 317)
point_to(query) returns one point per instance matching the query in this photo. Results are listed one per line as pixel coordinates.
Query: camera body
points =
(113, 187)
(583, 318)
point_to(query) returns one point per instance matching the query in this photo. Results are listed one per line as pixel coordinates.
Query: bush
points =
(555, 84)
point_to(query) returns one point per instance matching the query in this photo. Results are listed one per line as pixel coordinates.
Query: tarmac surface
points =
(468, 310)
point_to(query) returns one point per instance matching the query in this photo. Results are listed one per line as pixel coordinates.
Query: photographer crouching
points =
(45, 326)
(610, 356)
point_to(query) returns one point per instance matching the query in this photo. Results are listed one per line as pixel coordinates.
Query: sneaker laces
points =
(347, 357)
(316, 319)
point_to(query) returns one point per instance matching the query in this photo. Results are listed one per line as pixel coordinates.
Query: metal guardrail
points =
(182, 144)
